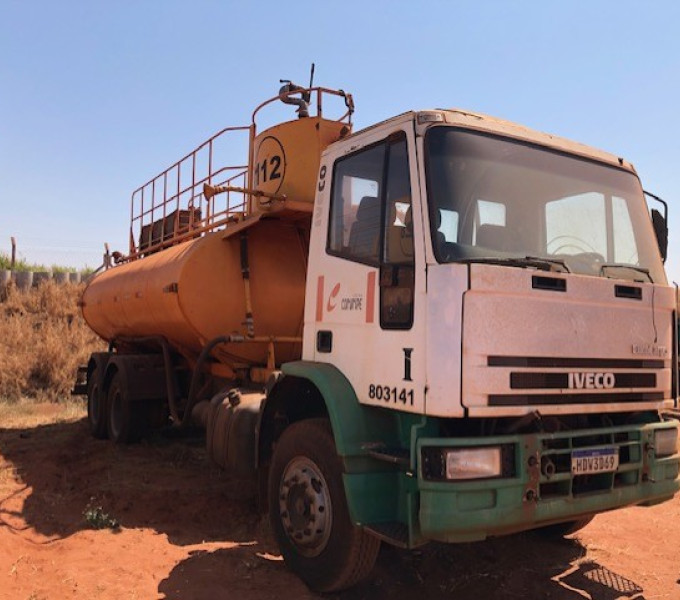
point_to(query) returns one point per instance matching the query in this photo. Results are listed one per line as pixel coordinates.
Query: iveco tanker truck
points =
(444, 326)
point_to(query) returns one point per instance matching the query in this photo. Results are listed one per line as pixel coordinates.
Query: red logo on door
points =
(330, 305)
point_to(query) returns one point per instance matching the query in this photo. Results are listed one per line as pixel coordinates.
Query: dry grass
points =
(43, 339)
(28, 414)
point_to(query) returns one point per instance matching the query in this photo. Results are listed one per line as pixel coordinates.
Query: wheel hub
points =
(305, 506)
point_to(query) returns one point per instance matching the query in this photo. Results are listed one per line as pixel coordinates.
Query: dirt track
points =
(188, 533)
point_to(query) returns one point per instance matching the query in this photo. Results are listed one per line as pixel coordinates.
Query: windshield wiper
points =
(538, 262)
(551, 261)
(642, 270)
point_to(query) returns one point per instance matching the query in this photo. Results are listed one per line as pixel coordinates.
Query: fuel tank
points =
(195, 291)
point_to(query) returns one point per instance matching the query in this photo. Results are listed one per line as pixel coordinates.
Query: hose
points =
(193, 388)
(301, 103)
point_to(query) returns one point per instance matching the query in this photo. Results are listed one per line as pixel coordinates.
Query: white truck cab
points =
(466, 266)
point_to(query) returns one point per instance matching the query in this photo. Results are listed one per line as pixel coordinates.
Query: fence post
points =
(14, 253)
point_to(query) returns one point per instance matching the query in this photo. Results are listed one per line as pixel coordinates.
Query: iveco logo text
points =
(591, 381)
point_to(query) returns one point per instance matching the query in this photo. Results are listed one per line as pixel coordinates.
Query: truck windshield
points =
(498, 200)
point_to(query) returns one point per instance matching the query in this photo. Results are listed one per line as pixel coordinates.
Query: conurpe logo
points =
(330, 305)
(591, 381)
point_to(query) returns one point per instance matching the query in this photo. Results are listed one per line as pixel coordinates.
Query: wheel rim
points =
(305, 506)
(116, 413)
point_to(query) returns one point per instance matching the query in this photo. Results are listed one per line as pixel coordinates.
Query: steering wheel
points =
(570, 244)
(573, 249)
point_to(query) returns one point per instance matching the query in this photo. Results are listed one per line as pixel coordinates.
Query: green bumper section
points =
(403, 503)
(540, 488)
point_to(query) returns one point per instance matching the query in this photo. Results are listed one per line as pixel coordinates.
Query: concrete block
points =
(23, 279)
(60, 277)
(40, 277)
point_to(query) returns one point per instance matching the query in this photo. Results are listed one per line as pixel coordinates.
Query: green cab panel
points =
(371, 485)
(355, 427)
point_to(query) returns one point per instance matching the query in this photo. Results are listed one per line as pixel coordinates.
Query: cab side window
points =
(355, 206)
(372, 223)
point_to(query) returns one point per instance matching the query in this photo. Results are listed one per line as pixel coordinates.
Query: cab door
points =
(367, 271)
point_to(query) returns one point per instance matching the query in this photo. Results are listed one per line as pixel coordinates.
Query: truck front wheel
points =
(308, 511)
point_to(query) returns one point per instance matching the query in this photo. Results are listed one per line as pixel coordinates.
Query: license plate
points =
(588, 462)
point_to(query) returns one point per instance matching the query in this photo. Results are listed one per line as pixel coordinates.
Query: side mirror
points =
(660, 224)
(661, 231)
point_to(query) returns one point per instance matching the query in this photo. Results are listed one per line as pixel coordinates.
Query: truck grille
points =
(538, 399)
(548, 362)
(557, 448)
(531, 381)
(583, 380)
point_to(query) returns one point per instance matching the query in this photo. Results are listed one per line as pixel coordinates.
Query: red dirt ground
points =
(189, 532)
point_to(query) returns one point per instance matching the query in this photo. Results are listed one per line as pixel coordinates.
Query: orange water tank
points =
(195, 291)
(192, 292)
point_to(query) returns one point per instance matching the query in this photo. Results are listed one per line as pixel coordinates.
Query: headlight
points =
(666, 442)
(473, 463)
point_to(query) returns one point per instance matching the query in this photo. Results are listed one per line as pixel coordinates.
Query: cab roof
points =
(488, 124)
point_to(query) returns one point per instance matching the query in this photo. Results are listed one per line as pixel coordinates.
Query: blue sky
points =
(97, 97)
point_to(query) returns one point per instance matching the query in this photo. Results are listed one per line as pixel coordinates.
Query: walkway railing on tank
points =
(171, 208)
(318, 92)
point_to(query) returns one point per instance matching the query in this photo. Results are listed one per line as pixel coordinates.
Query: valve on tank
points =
(302, 103)
(305, 95)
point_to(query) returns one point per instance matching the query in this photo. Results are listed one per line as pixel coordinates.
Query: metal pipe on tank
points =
(198, 370)
(302, 103)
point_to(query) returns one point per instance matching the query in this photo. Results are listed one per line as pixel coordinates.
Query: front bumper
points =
(534, 496)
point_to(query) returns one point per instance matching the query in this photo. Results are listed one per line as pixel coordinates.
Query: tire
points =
(308, 511)
(96, 406)
(559, 530)
(123, 426)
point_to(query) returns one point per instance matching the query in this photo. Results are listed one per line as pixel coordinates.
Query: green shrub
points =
(96, 518)
(19, 264)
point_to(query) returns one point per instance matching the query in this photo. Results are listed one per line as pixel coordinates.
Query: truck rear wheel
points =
(123, 425)
(308, 511)
(96, 406)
